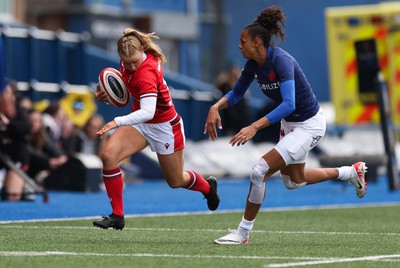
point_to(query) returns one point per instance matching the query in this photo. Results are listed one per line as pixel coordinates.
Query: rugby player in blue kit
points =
(303, 125)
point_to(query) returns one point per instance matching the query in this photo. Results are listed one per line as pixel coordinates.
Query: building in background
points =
(198, 36)
(179, 24)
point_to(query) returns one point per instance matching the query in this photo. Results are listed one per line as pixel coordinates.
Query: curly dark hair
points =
(267, 24)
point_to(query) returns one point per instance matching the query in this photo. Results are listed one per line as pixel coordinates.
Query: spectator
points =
(53, 117)
(44, 155)
(86, 140)
(236, 117)
(26, 102)
(14, 131)
(68, 132)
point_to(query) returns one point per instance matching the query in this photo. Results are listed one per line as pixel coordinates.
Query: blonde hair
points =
(133, 40)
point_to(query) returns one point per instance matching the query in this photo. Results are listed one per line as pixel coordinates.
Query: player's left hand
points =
(107, 127)
(243, 136)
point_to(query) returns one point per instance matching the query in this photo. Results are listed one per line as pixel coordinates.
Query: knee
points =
(107, 157)
(291, 185)
(257, 191)
(258, 172)
(174, 184)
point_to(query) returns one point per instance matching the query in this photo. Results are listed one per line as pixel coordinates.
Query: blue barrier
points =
(49, 63)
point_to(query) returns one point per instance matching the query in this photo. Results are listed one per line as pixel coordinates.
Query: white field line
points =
(310, 260)
(334, 260)
(51, 253)
(186, 213)
(11, 226)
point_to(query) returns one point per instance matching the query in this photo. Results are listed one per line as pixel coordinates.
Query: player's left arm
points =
(148, 91)
(284, 68)
(145, 113)
(287, 106)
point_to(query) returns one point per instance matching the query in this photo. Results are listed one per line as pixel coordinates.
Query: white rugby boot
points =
(233, 238)
(359, 179)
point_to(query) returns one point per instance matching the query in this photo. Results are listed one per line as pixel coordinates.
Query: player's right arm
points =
(228, 100)
(214, 118)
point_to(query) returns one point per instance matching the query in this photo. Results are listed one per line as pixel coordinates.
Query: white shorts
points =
(298, 138)
(164, 138)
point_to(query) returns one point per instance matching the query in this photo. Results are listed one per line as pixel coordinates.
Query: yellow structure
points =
(87, 106)
(345, 26)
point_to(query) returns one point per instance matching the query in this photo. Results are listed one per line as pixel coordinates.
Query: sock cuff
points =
(193, 178)
(345, 172)
(245, 224)
(113, 173)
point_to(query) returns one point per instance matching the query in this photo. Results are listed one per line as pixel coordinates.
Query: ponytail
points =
(267, 24)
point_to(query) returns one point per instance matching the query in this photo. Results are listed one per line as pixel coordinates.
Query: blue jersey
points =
(3, 75)
(280, 69)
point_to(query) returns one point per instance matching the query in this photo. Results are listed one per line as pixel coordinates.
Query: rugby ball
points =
(110, 81)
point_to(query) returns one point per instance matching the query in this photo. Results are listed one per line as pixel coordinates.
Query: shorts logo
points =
(167, 145)
(315, 141)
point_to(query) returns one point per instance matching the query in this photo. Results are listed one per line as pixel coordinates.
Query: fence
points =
(50, 65)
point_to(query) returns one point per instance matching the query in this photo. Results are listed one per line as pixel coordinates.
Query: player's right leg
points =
(124, 142)
(233, 238)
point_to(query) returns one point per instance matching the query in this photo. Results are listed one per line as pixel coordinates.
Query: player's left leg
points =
(295, 176)
(172, 168)
(115, 151)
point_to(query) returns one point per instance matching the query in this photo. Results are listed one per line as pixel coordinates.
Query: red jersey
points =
(148, 81)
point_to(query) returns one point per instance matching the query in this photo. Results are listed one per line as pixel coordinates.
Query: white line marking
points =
(228, 211)
(197, 230)
(326, 261)
(311, 260)
(50, 253)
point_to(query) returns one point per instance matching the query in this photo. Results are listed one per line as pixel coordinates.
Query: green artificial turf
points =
(341, 237)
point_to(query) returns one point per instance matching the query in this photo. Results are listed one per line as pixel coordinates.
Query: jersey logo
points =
(167, 145)
(272, 76)
(315, 141)
(271, 86)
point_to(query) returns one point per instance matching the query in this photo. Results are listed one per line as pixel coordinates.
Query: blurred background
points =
(55, 50)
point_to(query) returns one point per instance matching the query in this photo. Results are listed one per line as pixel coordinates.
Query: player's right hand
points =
(100, 95)
(213, 119)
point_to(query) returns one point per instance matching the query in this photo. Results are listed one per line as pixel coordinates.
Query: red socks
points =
(197, 183)
(114, 185)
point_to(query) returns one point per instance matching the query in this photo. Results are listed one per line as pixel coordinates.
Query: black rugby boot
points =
(113, 220)
(212, 197)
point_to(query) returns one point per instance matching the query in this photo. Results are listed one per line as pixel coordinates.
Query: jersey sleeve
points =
(284, 70)
(287, 106)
